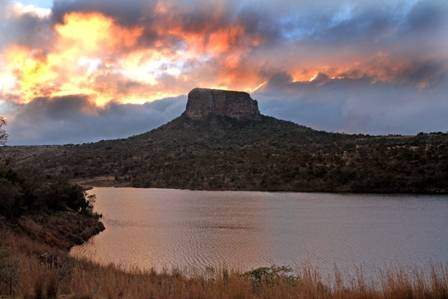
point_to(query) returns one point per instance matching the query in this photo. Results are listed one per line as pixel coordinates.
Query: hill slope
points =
(216, 151)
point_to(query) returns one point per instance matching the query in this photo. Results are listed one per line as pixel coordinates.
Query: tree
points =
(3, 134)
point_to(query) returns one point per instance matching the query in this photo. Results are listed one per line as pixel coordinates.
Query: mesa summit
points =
(222, 142)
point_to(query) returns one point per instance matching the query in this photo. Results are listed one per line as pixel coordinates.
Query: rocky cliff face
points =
(234, 104)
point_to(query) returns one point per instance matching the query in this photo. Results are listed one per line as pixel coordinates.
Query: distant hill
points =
(222, 142)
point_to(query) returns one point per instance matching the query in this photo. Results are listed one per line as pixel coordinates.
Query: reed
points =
(56, 275)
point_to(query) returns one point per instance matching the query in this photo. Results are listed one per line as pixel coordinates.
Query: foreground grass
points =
(27, 273)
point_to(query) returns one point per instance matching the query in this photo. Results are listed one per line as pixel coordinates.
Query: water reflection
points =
(242, 230)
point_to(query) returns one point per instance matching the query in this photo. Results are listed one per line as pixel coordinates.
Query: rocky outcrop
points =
(234, 104)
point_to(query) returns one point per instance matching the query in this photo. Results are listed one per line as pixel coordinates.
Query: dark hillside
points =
(217, 151)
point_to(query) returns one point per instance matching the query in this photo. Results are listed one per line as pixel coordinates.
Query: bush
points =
(21, 194)
(271, 275)
(60, 195)
(10, 198)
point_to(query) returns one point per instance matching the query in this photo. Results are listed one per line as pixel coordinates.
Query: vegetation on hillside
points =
(42, 215)
(29, 192)
(47, 208)
(224, 154)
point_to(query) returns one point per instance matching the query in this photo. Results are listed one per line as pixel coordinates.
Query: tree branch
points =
(3, 134)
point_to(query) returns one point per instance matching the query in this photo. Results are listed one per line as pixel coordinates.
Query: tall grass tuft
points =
(78, 278)
(9, 276)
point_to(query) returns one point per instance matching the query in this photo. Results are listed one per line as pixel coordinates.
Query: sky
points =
(74, 71)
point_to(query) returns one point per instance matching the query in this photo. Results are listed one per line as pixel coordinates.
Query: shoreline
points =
(60, 230)
(59, 275)
(105, 182)
(36, 267)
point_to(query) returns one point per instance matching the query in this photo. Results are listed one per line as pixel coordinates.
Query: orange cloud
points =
(94, 55)
(94, 33)
(30, 74)
(83, 43)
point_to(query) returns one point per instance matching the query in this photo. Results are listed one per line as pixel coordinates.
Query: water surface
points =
(159, 228)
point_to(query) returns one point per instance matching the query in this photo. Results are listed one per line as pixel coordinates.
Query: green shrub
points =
(271, 275)
(10, 199)
(29, 193)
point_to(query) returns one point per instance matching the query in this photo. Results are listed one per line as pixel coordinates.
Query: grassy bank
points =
(41, 218)
(48, 209)
(30, 269)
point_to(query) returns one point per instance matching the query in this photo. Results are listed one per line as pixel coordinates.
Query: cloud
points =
(224, 44)
(359, 66)
(358, 104)
(352, 105)
(75, 119)
(25, 25)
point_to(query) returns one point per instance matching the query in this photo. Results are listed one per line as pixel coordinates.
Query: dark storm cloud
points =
(359, 25)
(357, 105)
(327, 22)
(383, 64)
(353, 105)
(301, 29)
(195, 16)
(74, 119)
(427, 15)
(23, 28)
(431, 73)
(358, 30)
(128, 12)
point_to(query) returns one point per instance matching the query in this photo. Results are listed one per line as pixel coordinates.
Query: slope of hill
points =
(222, 142)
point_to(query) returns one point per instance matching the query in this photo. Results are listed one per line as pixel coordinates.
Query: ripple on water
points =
(153, 228)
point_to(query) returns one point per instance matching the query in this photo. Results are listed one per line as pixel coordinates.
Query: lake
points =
(193, 230)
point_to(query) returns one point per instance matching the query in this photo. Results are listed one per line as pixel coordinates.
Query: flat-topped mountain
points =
(222, 142)
(233, 104)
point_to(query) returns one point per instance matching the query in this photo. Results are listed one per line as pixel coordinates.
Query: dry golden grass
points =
(54, 275)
